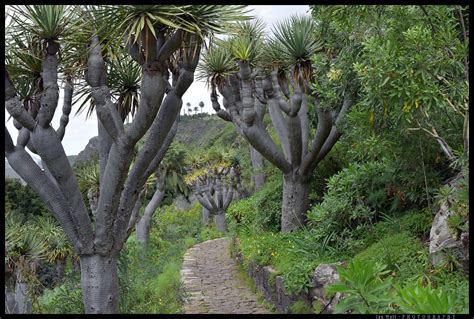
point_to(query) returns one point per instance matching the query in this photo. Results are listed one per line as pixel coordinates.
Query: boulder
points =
(324, 275)
(444, 242)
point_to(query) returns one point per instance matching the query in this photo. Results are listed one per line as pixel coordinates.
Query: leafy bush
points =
(454, 282)
(419, 299)
(417, 223)
(404, 255)
(208, 233)
(366, 291)
(301, 307)
(262, 211)
(21, 199)
(353, 196)
(283, 251)
(63, 299)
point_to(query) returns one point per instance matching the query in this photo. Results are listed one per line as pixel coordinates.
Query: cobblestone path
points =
(213, 283)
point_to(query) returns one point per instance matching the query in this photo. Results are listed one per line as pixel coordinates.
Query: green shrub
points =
(208, 233)
(403, 253)
(63, 299)
(454, 282)
(150, 280)
(262, 211)
(365, 288)
(301, 307)
(417, 223)
(416, 298)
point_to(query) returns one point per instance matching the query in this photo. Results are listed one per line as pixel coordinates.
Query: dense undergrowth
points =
(374, 222)
(149, 279)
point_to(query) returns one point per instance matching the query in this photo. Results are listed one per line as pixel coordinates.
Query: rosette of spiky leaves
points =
(246, 41)
(123, 79)
(58, 246)
(297, 43)
(88, 177)
(271, 57)
(174, 166)
(138, 23)
(209, 163)
(195, 159)
(45, 22)
(23, 61)
(23, 246)
(33, 27)
(216, 65)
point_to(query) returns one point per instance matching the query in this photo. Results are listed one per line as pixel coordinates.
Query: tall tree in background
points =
(169, 177)
(201, 105)
(277, 72)
(213, 184)
(165, 41)
(188, 108)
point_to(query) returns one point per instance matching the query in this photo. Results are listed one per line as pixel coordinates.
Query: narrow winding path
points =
(213, 283)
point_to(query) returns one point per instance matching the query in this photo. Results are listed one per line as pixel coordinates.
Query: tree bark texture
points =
(144, 224)
(220, 221)
(100, 286)
(22, 298)
(295, 202)
(206, 217)
(258, 175)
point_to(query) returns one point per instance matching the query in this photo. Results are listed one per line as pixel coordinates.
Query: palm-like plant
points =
(216, 65)
(46, 22)
(24, 64)
(276, 73)
(201, 105)
(297, 43)
(58, 247)
(124, 75)
(23, 251)
(140, 23)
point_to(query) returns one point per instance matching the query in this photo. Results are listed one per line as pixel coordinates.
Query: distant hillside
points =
(202, 132)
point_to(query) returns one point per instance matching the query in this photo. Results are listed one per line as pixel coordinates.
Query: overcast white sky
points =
(80, 130)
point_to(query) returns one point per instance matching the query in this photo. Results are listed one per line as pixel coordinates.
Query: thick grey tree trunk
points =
(295, 202)
(206, 217)
(221, 222)
(100, 286)
(60, 268)
(144, 224)
(17, 299)
(258, 175)
(22, 297)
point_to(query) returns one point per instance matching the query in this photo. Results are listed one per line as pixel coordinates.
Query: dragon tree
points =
(78, 42)
(253, 74)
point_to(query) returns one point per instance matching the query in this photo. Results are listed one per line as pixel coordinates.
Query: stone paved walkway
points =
(213, 283)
